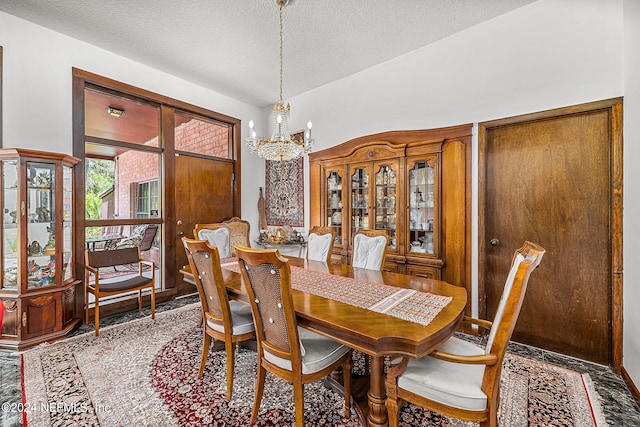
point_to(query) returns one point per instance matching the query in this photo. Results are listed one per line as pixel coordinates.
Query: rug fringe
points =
(160, 315)
(24, 397)
(595, 401)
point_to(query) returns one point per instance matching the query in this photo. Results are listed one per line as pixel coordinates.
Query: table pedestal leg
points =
(377, 410)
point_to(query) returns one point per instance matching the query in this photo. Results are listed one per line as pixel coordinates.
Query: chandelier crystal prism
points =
(280, 146)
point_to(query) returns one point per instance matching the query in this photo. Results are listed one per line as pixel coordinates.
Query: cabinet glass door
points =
(10, 225)
(386, 179)
(334, 204)
(67, 222)
(360, 199)
(41, 268)
(422, 208)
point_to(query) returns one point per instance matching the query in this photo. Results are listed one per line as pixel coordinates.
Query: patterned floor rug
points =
(143, 373)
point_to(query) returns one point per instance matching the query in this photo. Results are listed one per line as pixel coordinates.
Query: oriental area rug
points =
(144, 373)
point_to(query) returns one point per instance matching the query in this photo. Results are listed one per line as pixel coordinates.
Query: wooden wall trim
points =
(632, 387)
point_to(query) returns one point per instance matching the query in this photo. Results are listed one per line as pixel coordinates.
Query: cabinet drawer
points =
(422, 271)
(390, 266)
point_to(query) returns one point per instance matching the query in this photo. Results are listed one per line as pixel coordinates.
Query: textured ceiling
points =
(231, 46)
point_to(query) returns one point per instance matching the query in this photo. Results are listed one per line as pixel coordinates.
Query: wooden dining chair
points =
(295, 354)
(217, 234)
(105, 287)
(320, 243)
(369, 249)
(460, 379)
(228, 321)
(239, 232)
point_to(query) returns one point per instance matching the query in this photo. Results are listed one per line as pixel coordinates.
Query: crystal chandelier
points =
(281, 146)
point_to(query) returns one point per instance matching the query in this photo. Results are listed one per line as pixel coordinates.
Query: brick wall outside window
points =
(195, 136)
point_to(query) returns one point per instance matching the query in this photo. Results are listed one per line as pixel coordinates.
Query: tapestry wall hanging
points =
(284, 191)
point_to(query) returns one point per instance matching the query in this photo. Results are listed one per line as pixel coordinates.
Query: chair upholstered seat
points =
(124, 284)
(453, 384)
(319, 352)
(241, 318)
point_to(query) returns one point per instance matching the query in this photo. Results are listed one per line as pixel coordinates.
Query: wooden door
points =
(554, 178)
(204, 194)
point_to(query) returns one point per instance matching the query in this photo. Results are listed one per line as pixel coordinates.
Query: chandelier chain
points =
(281, 50)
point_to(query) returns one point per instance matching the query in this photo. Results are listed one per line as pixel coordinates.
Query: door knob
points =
(494, 242)
(180, 233)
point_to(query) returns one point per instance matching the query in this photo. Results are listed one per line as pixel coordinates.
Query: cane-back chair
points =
(228, 321)
(295, 354)
(239, 231)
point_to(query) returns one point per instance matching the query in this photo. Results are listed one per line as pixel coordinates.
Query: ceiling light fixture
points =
(281, 146)
(115, 112)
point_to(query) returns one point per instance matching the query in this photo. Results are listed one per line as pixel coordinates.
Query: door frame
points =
(614, 108)
(168, 106)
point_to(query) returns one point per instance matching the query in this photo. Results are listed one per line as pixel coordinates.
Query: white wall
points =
(631, 189)
(37, 78)
(548, 54)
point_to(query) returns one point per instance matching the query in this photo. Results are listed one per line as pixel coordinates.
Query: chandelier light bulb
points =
(309, 124)
(251, 124)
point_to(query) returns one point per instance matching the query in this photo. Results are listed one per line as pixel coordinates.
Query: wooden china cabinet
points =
(37, 284)
(414, 184)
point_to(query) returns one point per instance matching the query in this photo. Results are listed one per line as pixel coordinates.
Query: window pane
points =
(135, 168)
(99, 188)
(122, 188)
(147, 200)
(202, 136)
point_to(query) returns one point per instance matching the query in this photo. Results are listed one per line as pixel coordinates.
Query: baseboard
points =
(632, 387)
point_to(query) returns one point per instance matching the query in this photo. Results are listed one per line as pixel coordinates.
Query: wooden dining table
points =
(371, 332)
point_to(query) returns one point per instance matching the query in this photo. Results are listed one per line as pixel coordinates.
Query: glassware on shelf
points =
(422, 209)
(334, 201)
